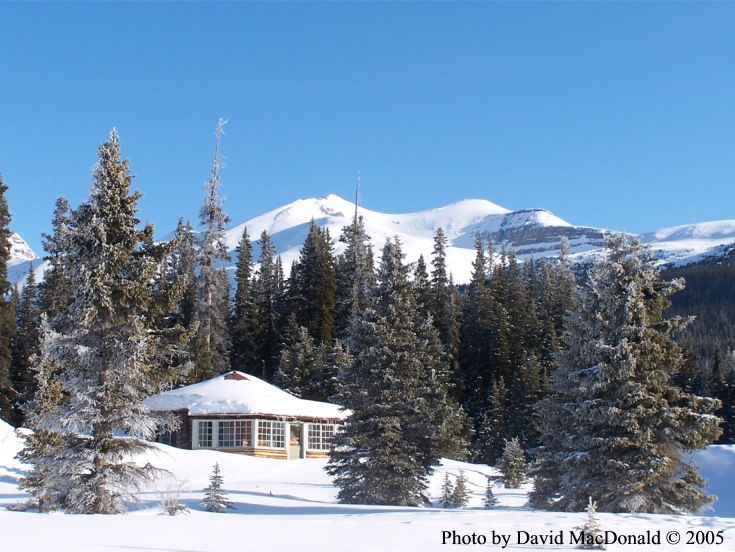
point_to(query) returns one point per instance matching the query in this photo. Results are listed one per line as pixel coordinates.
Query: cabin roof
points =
(240, 393)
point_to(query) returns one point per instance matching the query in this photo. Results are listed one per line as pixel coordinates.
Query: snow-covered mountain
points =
(690, 243)
(20, 251)
(531, 233)
(22, 257)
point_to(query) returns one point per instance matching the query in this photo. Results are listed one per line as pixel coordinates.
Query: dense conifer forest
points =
(528, 353)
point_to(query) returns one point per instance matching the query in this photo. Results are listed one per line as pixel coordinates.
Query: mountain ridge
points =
(531, 233)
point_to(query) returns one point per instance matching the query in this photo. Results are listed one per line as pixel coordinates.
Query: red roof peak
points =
(235, 375)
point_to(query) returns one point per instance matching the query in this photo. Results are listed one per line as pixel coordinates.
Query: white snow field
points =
(290, 505)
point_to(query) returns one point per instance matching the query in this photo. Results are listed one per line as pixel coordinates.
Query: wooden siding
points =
(258, 452)
(317, 454)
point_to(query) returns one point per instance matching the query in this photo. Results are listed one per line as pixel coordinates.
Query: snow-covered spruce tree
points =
(7, 310)
(176, 291)
(395, 391)
(103, 356)
(45, 443)
(513, 464)
(614, 425)
(460, 495)
(215, 499)
(594, 537)
(442, 311)
(422, 288)
(244, 324)
(212, 309)
(54, 292)
(490, 499)
(355, 275)
(447, 500)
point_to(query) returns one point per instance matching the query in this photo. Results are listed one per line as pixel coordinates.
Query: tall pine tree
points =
(55, 290)
(212, 348)
(615, 427)
(313, 285)
(267, 290)
(394, 390)
(355, 274)
(25, 346)
(244, 325)
(103, 359)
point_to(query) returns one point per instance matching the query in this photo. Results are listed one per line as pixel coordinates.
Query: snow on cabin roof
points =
(240, 393)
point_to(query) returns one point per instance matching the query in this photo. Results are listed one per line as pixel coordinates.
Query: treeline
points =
(709, 341)
(428, 368)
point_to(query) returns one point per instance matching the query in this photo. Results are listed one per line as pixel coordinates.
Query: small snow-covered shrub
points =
(170, 502)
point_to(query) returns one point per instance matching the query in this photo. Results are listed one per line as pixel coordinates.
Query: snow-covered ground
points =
(291, 506)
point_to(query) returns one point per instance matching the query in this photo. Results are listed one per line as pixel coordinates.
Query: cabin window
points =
(320, 436)
(271, 434)
(234, 433)
(204, 434)
(165, 436)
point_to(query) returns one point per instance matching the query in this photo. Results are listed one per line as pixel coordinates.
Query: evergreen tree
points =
(244, 326)
(422, 288)
(447, 498)
(355, 275)
(490, 499)
(212, 347)
(179, 282)
(490, 441)
(615, 426)
(298, 356)
(267, 290)
(25, 345)
(513, 464)
(103, 360)
(475, 375)
(55, 290)
(525, 389)
(43, 445)
(170, 315)
(215, 500)
(313, 285)
(7, 312)
(460, 495)
(394, 434)
(441, 304)
(594, 538)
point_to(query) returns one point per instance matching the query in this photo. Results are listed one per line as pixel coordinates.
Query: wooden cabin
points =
(240, 413)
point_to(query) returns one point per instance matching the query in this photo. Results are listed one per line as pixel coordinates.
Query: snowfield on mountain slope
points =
(291, 506)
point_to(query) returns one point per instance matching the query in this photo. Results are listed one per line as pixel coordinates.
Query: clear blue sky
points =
(619, 115)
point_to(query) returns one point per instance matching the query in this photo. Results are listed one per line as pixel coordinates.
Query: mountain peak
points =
(20, 251)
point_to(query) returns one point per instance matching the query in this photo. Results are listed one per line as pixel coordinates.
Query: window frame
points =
(245, 433)
(266, 429)
(315, 434)
(199, 433)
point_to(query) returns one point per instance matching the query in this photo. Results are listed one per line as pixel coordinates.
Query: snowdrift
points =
(291, 505)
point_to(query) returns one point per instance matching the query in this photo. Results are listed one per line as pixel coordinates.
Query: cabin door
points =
(296, 441)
